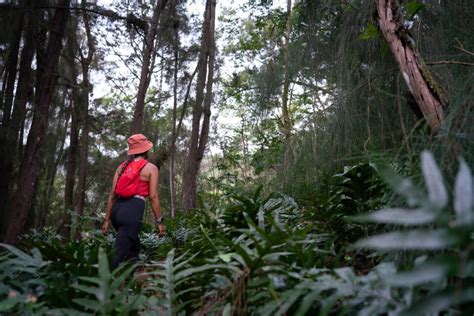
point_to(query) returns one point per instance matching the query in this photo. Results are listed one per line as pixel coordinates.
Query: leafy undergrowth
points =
(269, 256)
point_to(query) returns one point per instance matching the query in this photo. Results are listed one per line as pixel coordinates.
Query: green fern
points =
(171, 282)
(108, 292)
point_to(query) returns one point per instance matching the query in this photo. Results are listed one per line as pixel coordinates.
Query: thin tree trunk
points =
(146, 71)
(71, 159)
(74, 129)
(53, 157)
(81, 199)
(199, 135)
(6, 100)
(173, 131)
(286, 122)
(31, 162)
(185, 102)
(11, 73)
(204, 137)
(427, 93)
(86, 88)
(71, 162)
(285, 112)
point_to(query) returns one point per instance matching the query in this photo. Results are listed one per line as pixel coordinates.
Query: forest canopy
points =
(314, 156)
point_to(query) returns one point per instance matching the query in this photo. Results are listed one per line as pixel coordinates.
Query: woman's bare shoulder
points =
(151, 167)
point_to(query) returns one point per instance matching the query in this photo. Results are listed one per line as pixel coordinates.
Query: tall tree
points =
(71, 160)
(45, 88)
(173, 127)
(201, 107)
(10, 134)
(75, 105)
(149, 46)
(285, 111)
(86, 89)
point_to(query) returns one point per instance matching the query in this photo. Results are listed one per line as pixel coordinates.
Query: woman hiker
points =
(134, 180)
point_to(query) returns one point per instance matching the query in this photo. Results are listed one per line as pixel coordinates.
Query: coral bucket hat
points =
(138, 144)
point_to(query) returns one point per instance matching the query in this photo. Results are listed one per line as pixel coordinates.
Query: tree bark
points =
(287, 125)
(9, 69)
(429, 97)
(71, 162)
(204, 137)
(185, 101)
(86, 88)
(81, 199)
(173, 130)
(53, 156)
(146, 71)
(201, 107)
(74, 128)
(11, 74)
(10, 134)
(31, 162)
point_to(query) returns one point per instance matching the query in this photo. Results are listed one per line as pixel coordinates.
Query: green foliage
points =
(412, 8)
(46, 235)
(64, 262)
(109, 291)
(449, 273)
(171, 283)
(180, 231)
(22, 281)
(260, 258)
(370, 32)
(355, 190)
(266, 255)
(435, 283)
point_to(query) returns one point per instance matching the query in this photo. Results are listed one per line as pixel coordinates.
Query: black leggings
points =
(127, 219)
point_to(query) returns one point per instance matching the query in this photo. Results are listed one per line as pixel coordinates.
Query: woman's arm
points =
(110, 201)
(154, 196)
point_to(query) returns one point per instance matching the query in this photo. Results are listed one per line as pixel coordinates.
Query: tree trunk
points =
(201, 107)
(285, 112)
(81, 199)
(146, 71)
(53, 156)
(185, 101)
(429, 97)
(11, 73)
(286, 122)
(31, 162)
(86, 89)
(10, 135)
(74, 129)
(71, 160)
(204, 137)
(173, 131)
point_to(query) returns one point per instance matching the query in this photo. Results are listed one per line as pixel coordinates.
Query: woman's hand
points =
(162, 229)
(105, 227)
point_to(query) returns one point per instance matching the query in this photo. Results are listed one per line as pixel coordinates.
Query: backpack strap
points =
(146, 163)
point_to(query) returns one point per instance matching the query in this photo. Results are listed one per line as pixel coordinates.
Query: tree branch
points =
(449, 62)
(461, 48)
(114, 16)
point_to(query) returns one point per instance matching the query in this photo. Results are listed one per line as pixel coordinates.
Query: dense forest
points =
(315, 156)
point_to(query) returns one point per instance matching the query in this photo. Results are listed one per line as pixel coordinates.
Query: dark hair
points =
(125, 165)
(144, 155)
